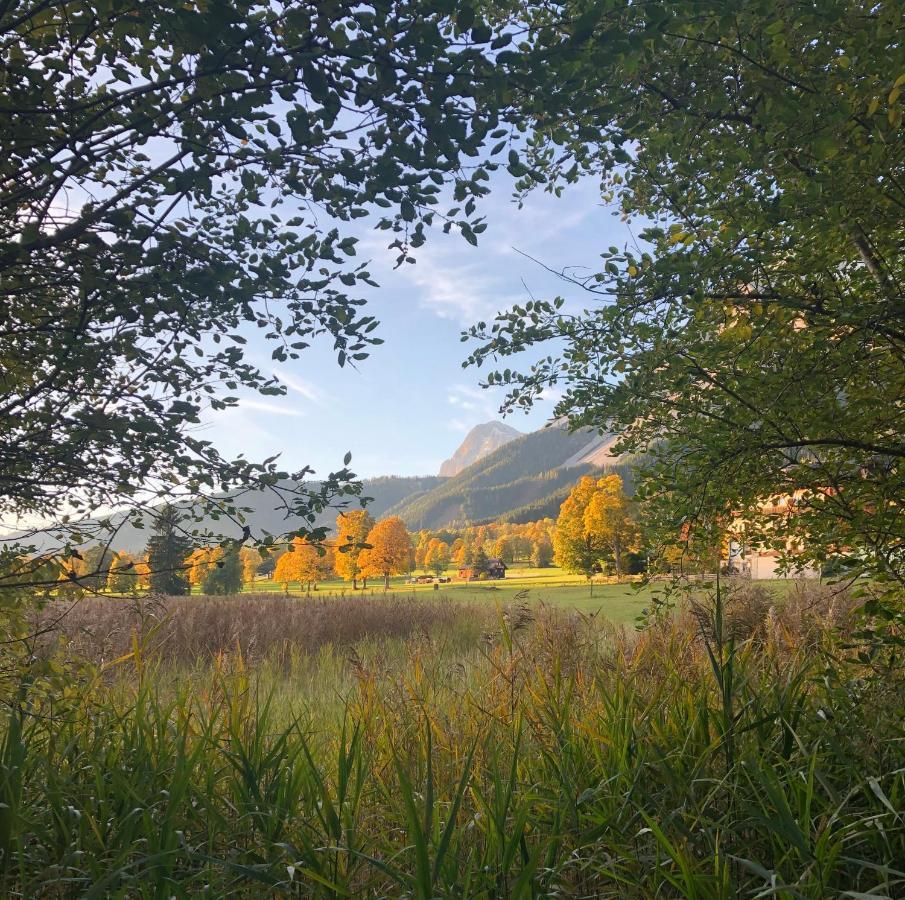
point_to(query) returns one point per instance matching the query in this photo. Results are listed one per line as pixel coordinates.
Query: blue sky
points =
(407, 407)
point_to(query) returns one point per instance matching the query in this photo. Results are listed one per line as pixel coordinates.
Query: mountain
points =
(478, 443)
(526, 479)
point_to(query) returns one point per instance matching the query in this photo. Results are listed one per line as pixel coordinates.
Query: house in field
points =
(764, 564)
(760, 563)
(496, 569)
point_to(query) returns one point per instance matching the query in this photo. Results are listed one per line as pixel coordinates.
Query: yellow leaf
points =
(873, 105)
(633, 271)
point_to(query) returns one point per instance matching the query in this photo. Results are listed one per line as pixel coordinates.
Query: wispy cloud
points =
(460, 292)
(276, 409)
(302, 387)
(445, 283)
(471, 406)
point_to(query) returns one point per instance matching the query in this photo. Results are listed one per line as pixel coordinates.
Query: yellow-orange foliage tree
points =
(352, 530)
(301, 562)
(200, 562)
(251, 562)
(123, 578)
(593, 524)
(437, 557)
(608, 516)
(389, 550)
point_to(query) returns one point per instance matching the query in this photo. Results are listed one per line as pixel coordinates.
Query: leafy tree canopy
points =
(224, 575)
(388, 551)
(752, 340)
(175, 174)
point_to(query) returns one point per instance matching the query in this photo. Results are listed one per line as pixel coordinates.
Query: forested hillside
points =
(521, 481)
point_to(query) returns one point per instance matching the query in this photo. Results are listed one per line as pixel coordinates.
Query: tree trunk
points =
(617, 557)
(354, 582)
(386, 581)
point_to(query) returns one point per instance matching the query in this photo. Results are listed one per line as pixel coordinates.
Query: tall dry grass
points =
(188, 630)
(550, 756)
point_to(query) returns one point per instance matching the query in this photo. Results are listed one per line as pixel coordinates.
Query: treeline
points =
(361, 549)
(595, 531)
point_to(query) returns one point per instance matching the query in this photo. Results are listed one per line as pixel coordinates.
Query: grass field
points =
(618, 603)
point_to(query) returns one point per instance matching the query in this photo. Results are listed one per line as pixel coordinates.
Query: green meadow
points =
(618, 603)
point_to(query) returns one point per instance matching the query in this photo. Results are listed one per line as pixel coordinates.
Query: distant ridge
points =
(384, 491)
(479, 442)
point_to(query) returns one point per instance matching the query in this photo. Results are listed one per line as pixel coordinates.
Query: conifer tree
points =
(479, 563)
(167, 550)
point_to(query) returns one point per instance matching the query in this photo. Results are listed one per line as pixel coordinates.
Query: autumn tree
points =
(503, 549)
(93, 568)
(352, 528)
(608, 517)
(175, 174)
(123, 575)
(437, 557)
(143, 571)
(577, 548)
(422, 544)
(198, 563)
(168, 548)
(461, 554)
(750, 344)
(301, 562)
(521, 547)
(388, 552)
(542, 554)
(251, 564)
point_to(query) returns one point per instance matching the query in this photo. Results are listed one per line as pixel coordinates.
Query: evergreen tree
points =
(225, 574)
(167, 550)
(479, 563)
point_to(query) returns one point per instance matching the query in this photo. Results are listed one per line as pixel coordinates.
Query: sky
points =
(408, 406)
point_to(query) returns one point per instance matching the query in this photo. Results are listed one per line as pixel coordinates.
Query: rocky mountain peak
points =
(479, 442)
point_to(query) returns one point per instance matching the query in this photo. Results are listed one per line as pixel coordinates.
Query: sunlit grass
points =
(619, 603)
